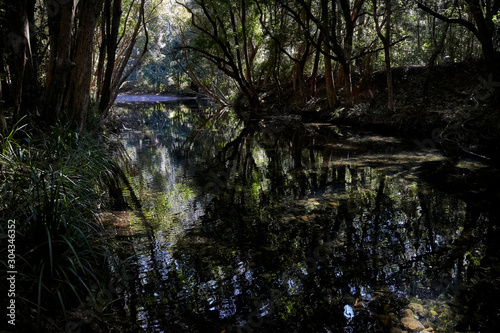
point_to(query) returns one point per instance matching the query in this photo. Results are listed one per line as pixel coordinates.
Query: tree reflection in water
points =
(279, 226)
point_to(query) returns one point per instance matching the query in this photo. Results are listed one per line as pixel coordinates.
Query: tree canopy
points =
(59, 57)
(257, 43)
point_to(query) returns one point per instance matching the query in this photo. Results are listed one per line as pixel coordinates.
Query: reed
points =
(53, 184)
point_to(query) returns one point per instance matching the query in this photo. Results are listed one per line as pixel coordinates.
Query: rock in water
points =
(395, 330)
(412, 324)
(418, 309)
(407, 313)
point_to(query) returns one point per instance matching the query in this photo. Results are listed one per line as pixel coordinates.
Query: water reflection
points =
(276, 225)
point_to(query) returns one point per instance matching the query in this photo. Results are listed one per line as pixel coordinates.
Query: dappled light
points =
(304, 228)
(250, 166)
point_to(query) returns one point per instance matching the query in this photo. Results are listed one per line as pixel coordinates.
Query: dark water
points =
(280, 226)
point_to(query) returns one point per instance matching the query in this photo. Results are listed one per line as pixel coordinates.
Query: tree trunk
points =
(298, 72)
(387, 56)
(78, 96)
(386, 41)
(314, 73)
(16, 48)
(331, 94)
(60, 64)
(388, 70)
(101, 60)
(112, 29)
(346, 68)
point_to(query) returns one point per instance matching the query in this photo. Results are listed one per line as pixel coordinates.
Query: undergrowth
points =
(53, 185)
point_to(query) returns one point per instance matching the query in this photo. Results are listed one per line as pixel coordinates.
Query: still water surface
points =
(276, 225)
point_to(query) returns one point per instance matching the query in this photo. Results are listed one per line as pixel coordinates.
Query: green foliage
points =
(496, 19)
(279, 32)
(53, 187)
(163, 67)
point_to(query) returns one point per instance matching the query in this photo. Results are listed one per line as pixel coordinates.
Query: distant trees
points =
(57, 56)
(257, 42)
(227, 39)
(482, 19)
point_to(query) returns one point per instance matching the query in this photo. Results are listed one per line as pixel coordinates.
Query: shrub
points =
(53, 187)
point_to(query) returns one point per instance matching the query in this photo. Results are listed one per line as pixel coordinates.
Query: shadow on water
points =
(281, 226)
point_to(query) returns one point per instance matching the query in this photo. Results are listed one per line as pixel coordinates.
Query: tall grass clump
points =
(53, 184)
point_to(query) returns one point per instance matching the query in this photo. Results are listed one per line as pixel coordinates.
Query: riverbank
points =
(448, 106)
(54, 186)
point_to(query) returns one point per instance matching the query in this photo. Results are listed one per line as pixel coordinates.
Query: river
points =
(275, 225)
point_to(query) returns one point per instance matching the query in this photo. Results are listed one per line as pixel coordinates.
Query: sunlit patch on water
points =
(348, 313)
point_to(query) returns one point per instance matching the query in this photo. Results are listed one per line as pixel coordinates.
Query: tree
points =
(125, 63)
(386, 41)
(67, 30)
(60, 20)
(15, 45)
(340, 43)
(481, 24)
(78, 95)
(227, 40)
(331, 93)
(111, 25)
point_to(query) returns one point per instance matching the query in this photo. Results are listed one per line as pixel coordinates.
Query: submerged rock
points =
(385, 319)
(412, 324)
(396, 330)
(407, 313)
(418, 309)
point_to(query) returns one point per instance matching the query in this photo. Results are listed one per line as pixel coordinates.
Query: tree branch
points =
(469, 25)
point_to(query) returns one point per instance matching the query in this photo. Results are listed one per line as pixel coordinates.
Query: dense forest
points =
(406, 67)
(61, 58)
